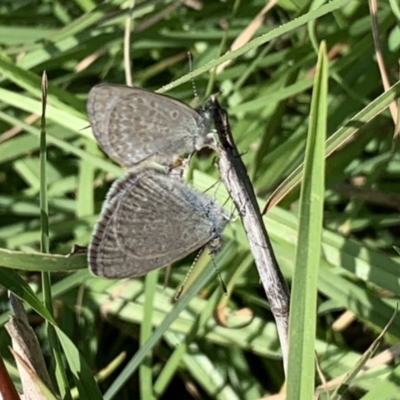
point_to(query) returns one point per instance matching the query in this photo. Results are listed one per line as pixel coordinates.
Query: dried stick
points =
(234, 175)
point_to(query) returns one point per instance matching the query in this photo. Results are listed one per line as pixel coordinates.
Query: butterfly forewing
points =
(132, 125)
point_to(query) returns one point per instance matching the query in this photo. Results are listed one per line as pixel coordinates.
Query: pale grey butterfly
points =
(132, 125)
(150, 220)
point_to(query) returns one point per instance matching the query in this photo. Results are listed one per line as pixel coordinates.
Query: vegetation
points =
(129, 334)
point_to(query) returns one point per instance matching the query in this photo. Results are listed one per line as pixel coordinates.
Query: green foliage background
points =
(267, 89)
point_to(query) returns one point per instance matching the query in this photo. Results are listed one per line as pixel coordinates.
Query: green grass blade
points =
(302, 325)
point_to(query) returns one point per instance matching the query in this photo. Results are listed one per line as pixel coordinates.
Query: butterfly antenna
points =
(166, 277)
(225, 290)
(178, 295)
(221, 281)
(190, 59)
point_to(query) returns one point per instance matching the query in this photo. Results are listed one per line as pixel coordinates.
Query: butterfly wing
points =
(133, 124)
(148, 221)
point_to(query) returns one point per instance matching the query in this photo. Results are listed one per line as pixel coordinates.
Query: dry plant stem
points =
(234, 175)
(373, 7)
(16, 129)
(26, 345)
(7, 388)
(127, 47)
(384, 358)
(248, 33)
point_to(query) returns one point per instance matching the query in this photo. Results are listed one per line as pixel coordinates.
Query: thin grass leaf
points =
(302, 325)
